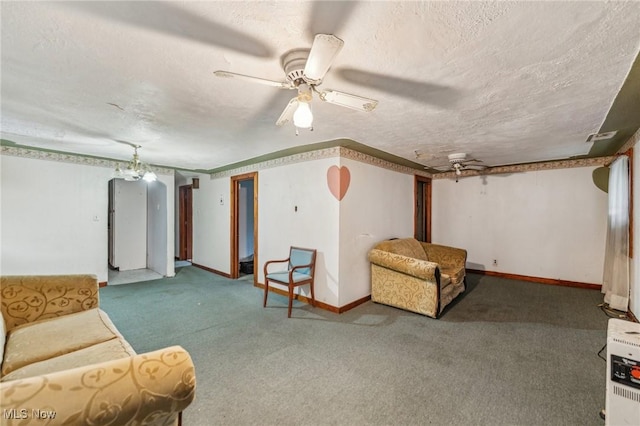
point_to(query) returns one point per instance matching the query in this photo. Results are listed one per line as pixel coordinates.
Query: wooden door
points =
(422, 209)
(235, 190)
(186, 223)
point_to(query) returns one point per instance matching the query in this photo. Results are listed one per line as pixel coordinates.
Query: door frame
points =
(235, 190)
(186, 226)
(426, 195)
(111, 230)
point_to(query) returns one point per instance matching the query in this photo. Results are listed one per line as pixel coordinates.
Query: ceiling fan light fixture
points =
(303, 117)
(305, 69)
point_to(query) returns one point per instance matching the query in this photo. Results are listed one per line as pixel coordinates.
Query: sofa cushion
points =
(445, 281)
(3, 337)
(456, 274)
(30, 298)
(41, 340)
(409, 247)
(105, 351)
(448, 293)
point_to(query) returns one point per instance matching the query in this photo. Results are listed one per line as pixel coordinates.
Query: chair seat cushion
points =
(283, 277)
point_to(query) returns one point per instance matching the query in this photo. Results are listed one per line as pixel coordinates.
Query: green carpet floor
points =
(504, 353)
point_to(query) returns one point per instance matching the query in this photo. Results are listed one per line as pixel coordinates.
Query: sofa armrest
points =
(30, 298)
(407, 265)
(149, 388)
(445, 256)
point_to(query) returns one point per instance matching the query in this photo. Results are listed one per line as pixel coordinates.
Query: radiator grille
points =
(626, 342)
(626, 393)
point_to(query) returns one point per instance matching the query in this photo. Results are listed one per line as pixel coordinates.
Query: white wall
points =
(130, 224)
(211, 224)
(378, 205)
(634, 298)
(314, 224)
(156, 227)
(548, 224)
(54, 217)
(167, 181)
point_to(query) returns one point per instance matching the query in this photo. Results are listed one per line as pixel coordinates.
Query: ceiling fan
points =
(304, 70)
(457, 163)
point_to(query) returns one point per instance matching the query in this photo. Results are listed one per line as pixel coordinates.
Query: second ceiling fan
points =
(304, 70)
(459, 162)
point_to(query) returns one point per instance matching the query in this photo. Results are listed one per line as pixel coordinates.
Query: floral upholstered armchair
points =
(415, 276)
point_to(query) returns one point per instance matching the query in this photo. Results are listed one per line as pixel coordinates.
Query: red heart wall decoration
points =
(338, 179)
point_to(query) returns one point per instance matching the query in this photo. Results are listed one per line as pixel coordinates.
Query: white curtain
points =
(615, 281)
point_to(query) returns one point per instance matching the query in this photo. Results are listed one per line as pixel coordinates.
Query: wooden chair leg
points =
(290, 300)
(313, 298)
(266, 291)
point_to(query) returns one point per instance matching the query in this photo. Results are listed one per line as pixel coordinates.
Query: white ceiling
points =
(506, 82)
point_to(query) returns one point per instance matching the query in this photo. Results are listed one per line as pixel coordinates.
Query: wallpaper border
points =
(532, 167)
(36, 154)
(336, 151)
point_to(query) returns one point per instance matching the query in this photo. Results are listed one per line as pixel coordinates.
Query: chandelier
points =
(136, 169)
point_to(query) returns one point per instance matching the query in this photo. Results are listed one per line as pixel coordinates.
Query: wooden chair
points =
(300, 271)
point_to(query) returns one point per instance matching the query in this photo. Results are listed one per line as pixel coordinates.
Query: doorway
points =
(422, 215)
(244, 225)
(186, 222)
(137, 231)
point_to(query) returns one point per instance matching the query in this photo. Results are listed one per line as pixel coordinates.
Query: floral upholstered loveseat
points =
(416, 276)
(64, 362)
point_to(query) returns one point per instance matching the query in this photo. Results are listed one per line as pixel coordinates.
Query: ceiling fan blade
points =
(176, 21)
(423, 92)
(323, 51)
(278, 84)
(440, 167)
(348, 100)
(287, 114)
(475, 167)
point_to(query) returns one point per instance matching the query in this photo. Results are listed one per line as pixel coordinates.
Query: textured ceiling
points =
(506, 82)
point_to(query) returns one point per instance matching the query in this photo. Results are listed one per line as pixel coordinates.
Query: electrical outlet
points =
(495, 262)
